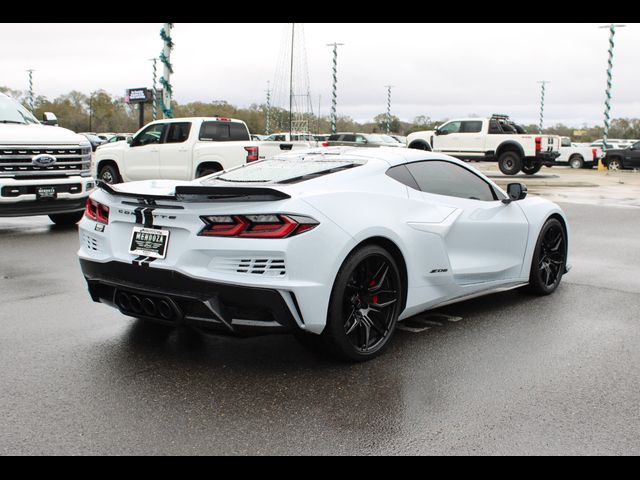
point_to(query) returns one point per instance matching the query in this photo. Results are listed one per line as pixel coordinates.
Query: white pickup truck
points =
(44, 169)
(576, 155)
(184, 149)
(495, 138)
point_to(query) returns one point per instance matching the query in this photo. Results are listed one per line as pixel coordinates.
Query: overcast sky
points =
(438, 70)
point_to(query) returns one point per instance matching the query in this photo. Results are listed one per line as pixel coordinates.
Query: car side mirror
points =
(129, 140)
(437, 132)
(516, 191)
(49, 118)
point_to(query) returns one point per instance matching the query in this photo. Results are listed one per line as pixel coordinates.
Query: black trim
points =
(42, 207)
(204, 193)
(220, 307)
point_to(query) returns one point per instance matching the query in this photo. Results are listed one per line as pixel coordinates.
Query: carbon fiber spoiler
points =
(193, 193)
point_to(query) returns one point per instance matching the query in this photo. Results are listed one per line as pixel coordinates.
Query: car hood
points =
(11, 134)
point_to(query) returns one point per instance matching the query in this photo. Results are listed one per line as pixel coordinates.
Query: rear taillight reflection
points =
(97, 211)
(256, 226)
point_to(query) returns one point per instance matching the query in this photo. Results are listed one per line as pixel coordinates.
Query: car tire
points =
(614, 164)
(530, 170)
(549, 258)
(510, 163)
(66, 219)
(576, 161)
(364, 306)
(109, 174)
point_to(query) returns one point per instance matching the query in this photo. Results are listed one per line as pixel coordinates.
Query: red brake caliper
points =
(375, 297)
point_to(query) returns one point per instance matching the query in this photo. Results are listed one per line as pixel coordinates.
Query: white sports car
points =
(335, 245)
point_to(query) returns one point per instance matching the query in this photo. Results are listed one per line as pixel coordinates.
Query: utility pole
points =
(154, 109)
(293, 31)
(267, 127)
(165, 57)
(31, 89)
(388, 87)
(334, 95)
(318, 122)
(543, 83)
(607, 101)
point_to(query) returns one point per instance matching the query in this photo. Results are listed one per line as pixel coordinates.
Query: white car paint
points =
(454, 248)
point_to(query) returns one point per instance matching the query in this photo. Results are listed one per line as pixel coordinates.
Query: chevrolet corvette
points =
(336, 245)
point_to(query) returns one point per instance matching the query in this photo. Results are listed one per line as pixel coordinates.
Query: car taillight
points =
(538, 144)
(252, 154)
(325, 144)
(96, 211)
(256, 226)
(595, 153)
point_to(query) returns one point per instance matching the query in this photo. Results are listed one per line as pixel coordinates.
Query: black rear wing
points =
(194, 193)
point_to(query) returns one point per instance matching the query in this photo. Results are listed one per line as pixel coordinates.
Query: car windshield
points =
(93, 138)
(12, 112)
(280, 170)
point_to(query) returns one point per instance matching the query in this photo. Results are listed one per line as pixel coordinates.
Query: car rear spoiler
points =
(194, 193)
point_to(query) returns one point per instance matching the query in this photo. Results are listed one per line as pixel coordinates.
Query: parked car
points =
(94, 140)
(400, 138)
(269, 247)
(492, 139)
(44, 169)
(105, 136)
(184, 149)
(291, 137)
(119, 137)
(619, 158)
(352, 139)
(613, 143)
(576, 155)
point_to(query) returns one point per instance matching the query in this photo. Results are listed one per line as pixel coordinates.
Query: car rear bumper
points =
(173, 298)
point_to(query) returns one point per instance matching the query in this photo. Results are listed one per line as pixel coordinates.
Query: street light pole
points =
(388, 108)
(31, 89)
(543, 83)
(607, 101)
(334, 94)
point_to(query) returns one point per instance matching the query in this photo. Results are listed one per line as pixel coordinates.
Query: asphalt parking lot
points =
(504, 374)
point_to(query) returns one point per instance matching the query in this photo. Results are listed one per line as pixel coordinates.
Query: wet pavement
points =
(504, 374)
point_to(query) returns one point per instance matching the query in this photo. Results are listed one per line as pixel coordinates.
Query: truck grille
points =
(17, 161)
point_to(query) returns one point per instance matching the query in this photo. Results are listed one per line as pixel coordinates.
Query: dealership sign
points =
(138, 95)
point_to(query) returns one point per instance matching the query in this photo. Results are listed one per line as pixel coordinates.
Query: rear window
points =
(283, 170)
(223, 132)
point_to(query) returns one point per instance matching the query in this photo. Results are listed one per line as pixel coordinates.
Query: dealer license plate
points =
(149, 242)
(46, 193)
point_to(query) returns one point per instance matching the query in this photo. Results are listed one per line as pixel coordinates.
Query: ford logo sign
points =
(43, 160)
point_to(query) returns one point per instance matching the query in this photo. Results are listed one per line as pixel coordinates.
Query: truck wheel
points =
(510, 163)
(66, 219)
(109, 174)
(204, 171)
(576, 161)
(531, 169)
(420, 146)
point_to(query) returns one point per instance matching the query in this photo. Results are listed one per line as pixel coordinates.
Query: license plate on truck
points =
(149, 242)
(46, 193)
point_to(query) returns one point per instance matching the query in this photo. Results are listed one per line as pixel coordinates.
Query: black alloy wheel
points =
(509, 163)
(549, 259)
(365, 304)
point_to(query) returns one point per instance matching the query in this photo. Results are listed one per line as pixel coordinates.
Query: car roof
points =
(392, 156)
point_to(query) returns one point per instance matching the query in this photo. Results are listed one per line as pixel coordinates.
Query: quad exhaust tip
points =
(149, 306)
